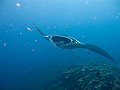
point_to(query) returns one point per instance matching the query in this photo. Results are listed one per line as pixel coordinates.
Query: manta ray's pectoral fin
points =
(98, 50)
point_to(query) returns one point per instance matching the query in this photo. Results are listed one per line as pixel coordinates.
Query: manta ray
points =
(67, 42)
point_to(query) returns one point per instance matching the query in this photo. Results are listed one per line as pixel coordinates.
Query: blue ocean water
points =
(27, 60)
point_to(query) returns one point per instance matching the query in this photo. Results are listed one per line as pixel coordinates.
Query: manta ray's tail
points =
(41, 33)
(98, 50)
(38, 30)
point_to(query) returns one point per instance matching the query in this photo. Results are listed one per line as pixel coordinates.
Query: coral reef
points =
(89, 77)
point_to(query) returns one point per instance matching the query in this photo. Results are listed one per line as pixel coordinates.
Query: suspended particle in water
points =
(116, 17)
(4, 44)
(6, 31)
(95, 18)
(13, 29)
(78, 23)
(29, 29)
(36, 40)
(18, 4)
(20, 33)
(33, 50)
(86, 2)
(72, 19)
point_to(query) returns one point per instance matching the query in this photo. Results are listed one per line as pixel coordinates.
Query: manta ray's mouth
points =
(61, 40)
